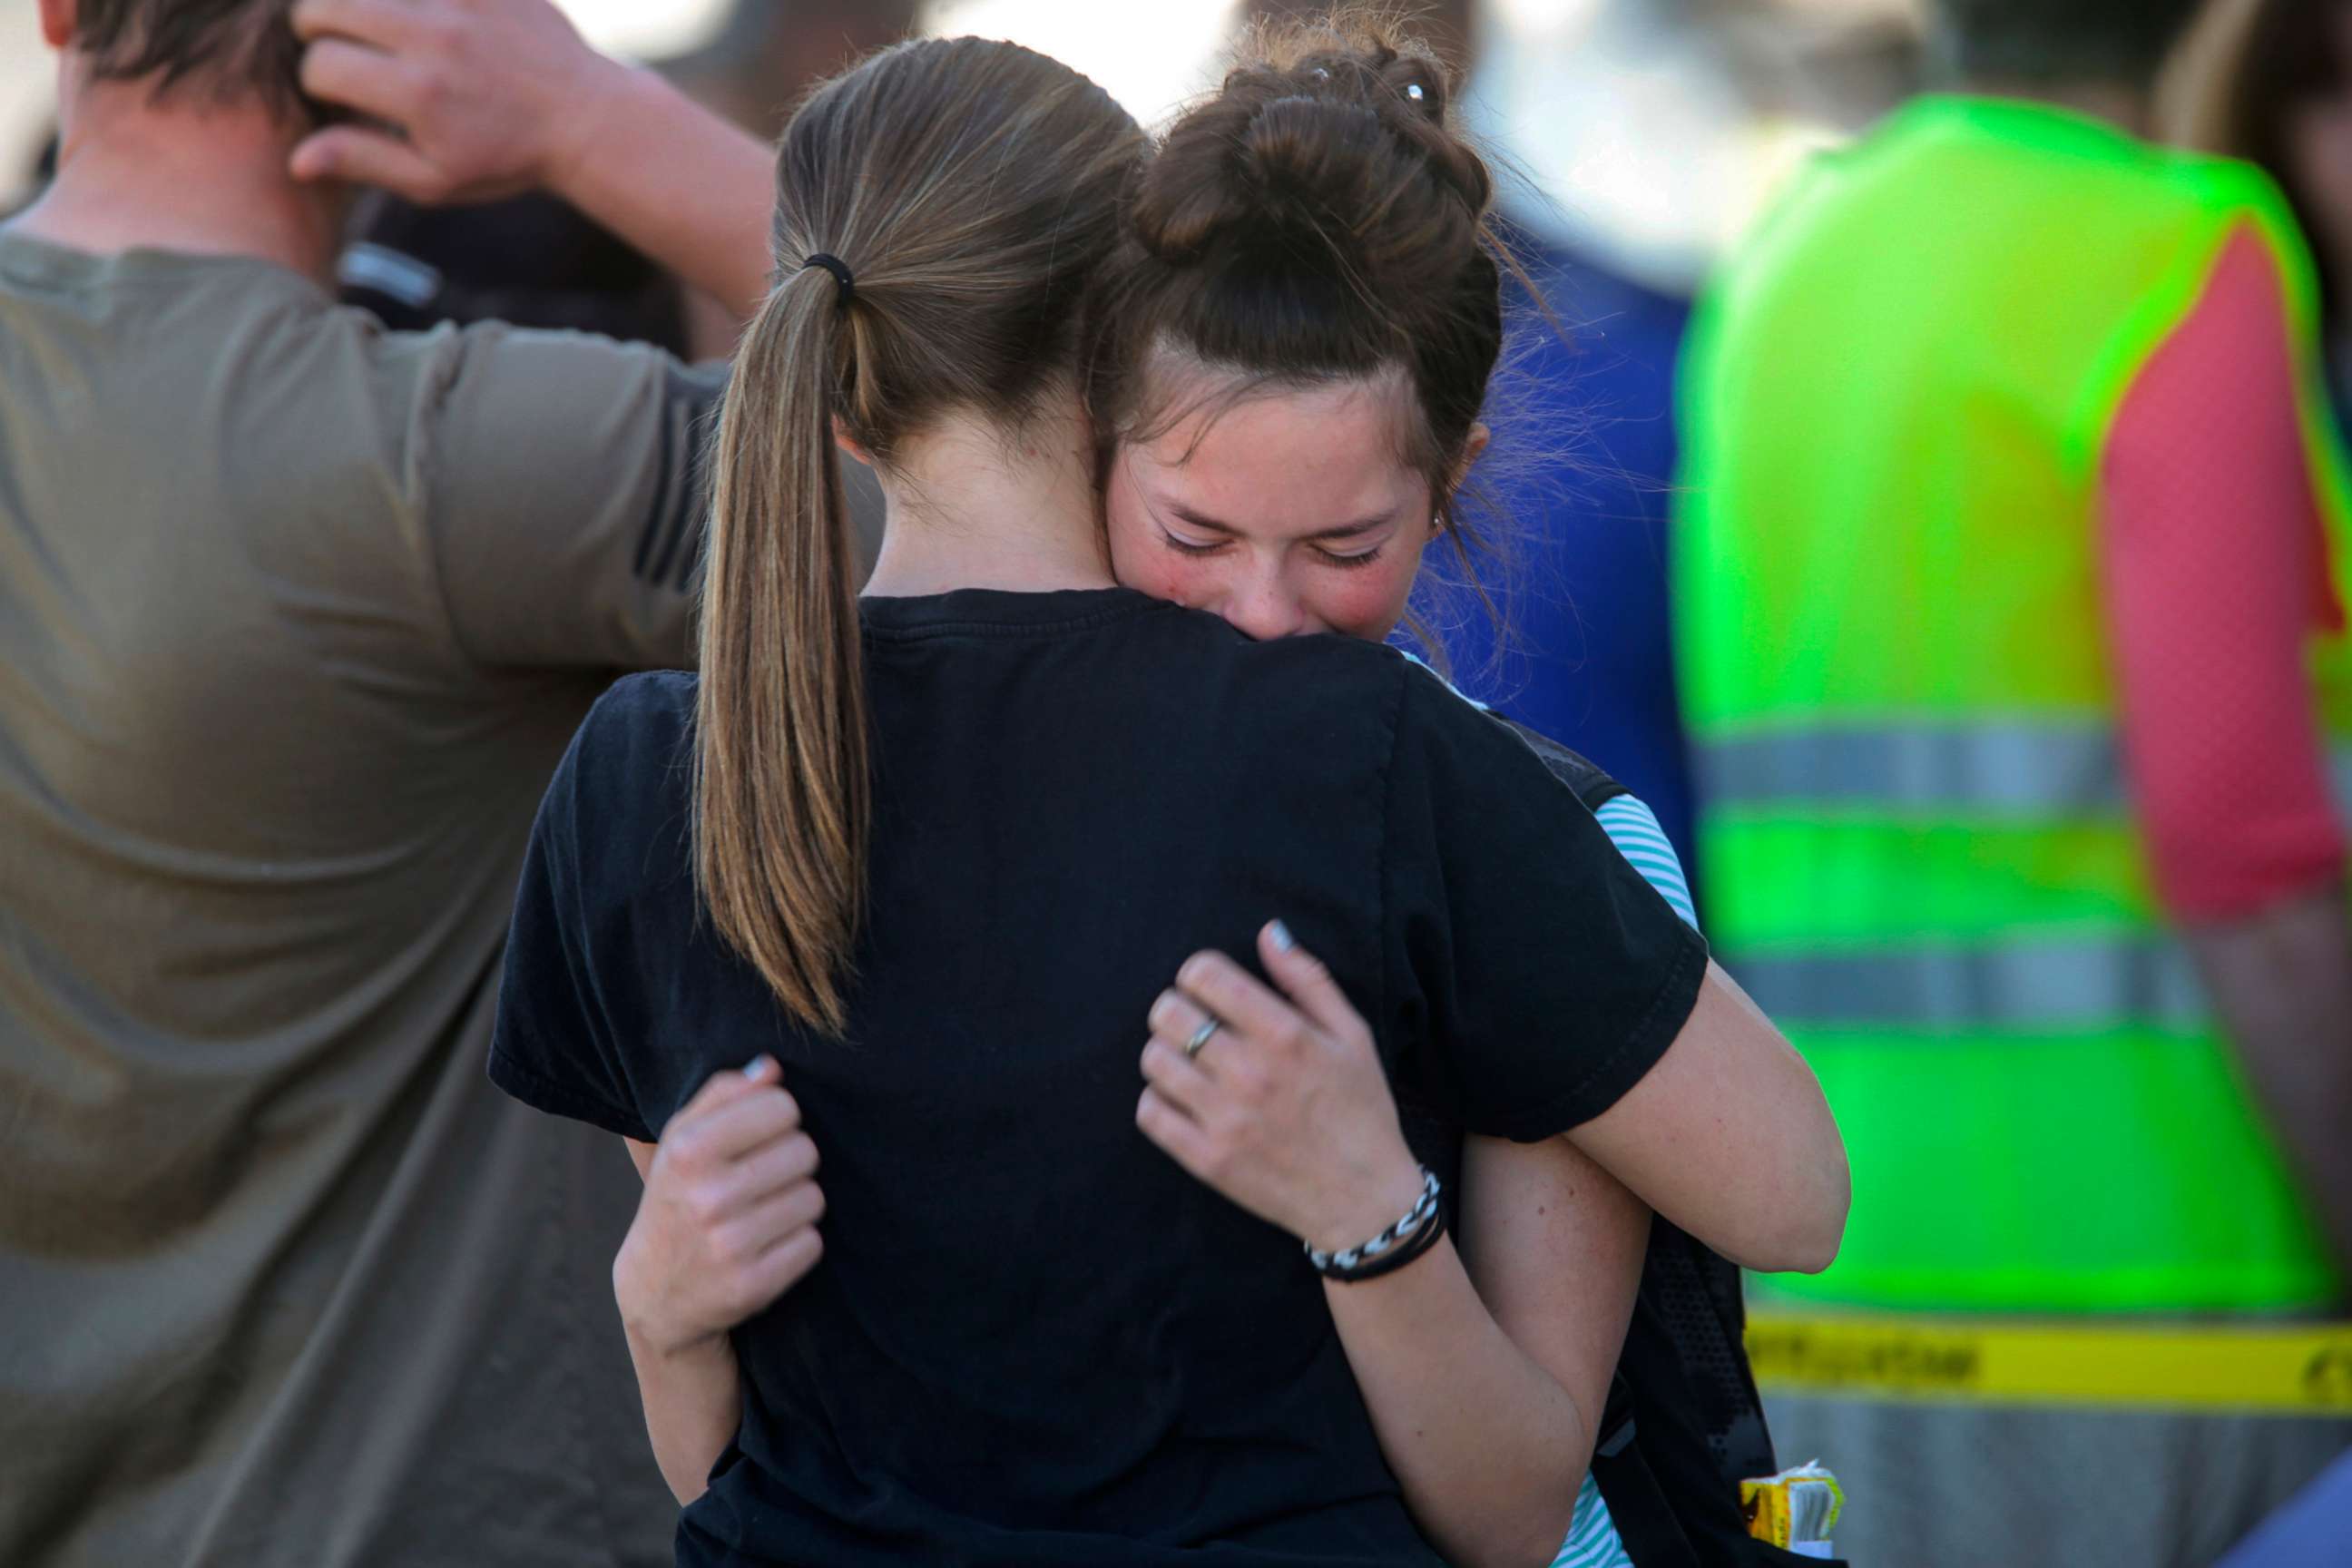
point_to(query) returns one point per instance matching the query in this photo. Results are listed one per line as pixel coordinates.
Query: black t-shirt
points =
(1034, 1339)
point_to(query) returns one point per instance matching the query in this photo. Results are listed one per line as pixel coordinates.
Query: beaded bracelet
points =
(1414, 1234)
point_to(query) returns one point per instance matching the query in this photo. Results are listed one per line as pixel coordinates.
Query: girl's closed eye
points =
(1191, 547)
(1348, 563)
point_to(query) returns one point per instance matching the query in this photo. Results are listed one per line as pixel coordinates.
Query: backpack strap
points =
(1646, 1516)
(1584, 778)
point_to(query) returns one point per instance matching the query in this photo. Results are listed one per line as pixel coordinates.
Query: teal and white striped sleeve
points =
(1633, 828)
(1592, 1540)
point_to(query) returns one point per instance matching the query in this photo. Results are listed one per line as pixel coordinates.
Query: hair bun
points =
(1316, 219)
(1335, 161)
(1374, 69)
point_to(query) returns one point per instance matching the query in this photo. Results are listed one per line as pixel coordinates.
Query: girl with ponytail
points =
(926, 857)
(976, 187)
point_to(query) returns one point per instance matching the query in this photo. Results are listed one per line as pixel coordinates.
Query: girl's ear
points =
(847, 443)
(1471, 450)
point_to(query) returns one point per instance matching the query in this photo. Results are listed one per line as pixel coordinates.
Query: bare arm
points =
(490, 98)
(2282, 981)
(692, 1398)
(684, 186)
(1485, 1388)
(727, 1224)
(1730, 1137)
(1485, 1372)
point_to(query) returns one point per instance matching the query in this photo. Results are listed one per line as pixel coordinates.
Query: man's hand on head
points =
(460, 100)
(472, 100)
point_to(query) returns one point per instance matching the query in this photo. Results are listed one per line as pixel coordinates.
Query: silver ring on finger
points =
(1200, 1036)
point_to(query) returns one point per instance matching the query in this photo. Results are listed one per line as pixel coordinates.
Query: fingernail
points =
(762, 1067)
(1279, 934)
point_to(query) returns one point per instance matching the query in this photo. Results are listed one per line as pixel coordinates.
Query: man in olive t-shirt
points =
(297, 616)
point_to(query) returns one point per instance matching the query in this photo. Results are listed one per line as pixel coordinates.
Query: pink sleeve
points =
(2215, 577)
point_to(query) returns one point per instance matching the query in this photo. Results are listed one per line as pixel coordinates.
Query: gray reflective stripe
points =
(2015, 767)
(1974, 767)
(2061, 986)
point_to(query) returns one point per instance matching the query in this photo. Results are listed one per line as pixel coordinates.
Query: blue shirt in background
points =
(1584, 455)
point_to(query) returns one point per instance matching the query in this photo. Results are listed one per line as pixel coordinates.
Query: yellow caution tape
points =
(2303, 1370)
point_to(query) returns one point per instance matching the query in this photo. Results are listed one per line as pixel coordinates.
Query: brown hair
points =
(972, 191)
(1318, 219)
(2248, 68)
(229, 48)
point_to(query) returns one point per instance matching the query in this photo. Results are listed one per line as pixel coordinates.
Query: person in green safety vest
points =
(2009, 615)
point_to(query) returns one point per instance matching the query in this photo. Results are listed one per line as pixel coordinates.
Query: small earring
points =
(1413, 91)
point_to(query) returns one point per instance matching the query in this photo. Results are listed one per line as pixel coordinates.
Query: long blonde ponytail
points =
(968, 191)
(781, 792)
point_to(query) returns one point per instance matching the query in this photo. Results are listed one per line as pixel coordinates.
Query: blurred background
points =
(1638, 140)
(1600, 100)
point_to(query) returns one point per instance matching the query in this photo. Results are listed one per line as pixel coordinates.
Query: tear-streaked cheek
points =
(1150, 566)
(1363, 602)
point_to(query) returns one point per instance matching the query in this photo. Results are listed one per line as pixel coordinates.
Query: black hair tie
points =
(840, 270)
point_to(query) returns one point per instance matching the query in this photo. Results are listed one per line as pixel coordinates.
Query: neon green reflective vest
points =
(1914, 835)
